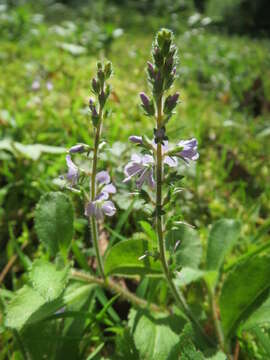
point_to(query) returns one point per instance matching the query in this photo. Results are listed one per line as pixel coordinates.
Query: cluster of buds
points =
(99, 204)
(101, 90)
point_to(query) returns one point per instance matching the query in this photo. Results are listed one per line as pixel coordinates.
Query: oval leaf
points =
(123, 259)
(54, 217)
(156, 336)
(242, 287)
(189, 250)
(222, 238)
(49, 281)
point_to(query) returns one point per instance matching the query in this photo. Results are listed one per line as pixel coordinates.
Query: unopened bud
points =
(79, 148)
(147, 104)
(95, 86)
(158, 58)
(170, 103)
(108, 70)
(136, 139)
(151, 70)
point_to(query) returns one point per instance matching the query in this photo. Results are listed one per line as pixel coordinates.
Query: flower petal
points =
(102, 196)
(110, 189)
(171, 161)
(108, 208)
(103, 177)
(73, 171)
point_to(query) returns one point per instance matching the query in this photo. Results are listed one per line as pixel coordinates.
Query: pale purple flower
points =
(73, 171)
(79, 148)
(100, 206)
(136, 139)
(35, 85)
(49, 85)
(189, 151)
(171, 161)
(103, 179)
(140, 167)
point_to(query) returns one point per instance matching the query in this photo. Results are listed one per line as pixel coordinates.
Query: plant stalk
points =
(218, 327)
(92, 219)
(159, 226)
(115, 288)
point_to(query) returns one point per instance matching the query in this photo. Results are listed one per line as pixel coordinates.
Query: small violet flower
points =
(101, 205)
(142, 168)
(73, 171)
(136, 139)
(189, 151)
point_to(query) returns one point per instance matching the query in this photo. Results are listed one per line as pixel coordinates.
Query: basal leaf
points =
(189, 250)
(156, 336)
(242, 287)
(54, 217)
(123, 259)
(222, 237)
(22, 306)
(260, 317)
(48, 280)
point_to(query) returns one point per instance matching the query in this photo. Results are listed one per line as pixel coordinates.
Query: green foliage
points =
(49, 281)
(189, 251)
(261, 316)
(54, 222)
(156, 337)
(241, 290)
(222, 237)
(123, 259)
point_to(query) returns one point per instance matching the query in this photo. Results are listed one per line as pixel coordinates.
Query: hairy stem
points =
(159, 176)
(112, 286)
(92, 219)
(218, 328)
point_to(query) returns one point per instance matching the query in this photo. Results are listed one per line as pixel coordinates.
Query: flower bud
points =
(102, 98)
(151, 70)
(108, 70)
(95, 86)
(101, 77)
(136, 139)
(170, 103)
(158, 58)
(145, 99)
(158, 84)
(79, 148)
(147, 104)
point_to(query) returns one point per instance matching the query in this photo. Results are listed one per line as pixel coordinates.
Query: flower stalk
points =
(92, 219)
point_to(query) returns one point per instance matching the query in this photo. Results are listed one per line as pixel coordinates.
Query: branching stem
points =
(112, 286)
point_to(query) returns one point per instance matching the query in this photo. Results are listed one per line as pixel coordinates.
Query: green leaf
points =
(47, 280)
(189, 251)
(31, 151)
(186, 346)
(242, 287)
(22, 306)
(222, 238)
(156, 336)
(260, 317)
(54, 217)
(188, 275)
(123, 259)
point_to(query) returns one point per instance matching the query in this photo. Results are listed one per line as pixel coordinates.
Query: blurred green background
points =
(48, 52)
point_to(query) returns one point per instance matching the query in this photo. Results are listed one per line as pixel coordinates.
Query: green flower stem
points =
(115, 288)
(159, 176)
(218, 327)
(92, 220)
